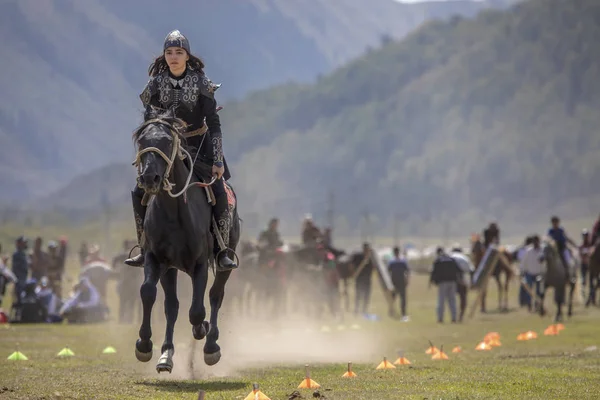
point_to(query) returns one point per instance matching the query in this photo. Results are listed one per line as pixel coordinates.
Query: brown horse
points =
(503, 272)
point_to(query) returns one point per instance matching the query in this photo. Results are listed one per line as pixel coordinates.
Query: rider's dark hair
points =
(159, 65)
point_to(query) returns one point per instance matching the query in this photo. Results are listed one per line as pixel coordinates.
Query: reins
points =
(177, 152)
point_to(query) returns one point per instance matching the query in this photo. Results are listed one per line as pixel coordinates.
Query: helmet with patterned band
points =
(176, 39)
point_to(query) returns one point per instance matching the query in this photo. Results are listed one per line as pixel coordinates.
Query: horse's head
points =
(158, 141)
(549, 250)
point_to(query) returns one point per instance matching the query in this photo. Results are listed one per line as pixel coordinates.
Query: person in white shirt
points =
(534, 267)
(6, 276)
(85, 305)
(49, 300)
(524, 297)
(467, 268)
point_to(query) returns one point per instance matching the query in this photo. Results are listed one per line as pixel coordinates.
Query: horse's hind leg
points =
(500, 291)
(506, 284)
(143, 346)
(559, 299)
(541, 310)
(483, 297)
(593, 282)
(197, 309)
(571, 294)
(212, 351)
(169, 285)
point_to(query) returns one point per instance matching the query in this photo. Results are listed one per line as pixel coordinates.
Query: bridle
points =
(177, 152)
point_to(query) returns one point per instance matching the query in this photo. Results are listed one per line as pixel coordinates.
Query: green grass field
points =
(273, 355)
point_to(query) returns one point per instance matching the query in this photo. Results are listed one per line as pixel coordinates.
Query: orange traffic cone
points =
(440, 355)
(308, 383)
(256, 394)
(491, 336)
(483, 346)
(431, 349)
(401, 359)
(385, 364)
(552, 330)
(531, 335)
(349, 373)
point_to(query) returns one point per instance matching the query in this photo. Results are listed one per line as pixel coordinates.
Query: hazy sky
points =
(422, 1)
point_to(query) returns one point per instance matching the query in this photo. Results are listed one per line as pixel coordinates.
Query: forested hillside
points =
(462, 120)
(72, 69)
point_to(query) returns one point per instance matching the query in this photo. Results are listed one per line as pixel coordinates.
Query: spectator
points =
(445, 274)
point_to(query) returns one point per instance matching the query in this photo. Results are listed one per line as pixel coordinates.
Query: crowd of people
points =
(38, 277)
(452, 270)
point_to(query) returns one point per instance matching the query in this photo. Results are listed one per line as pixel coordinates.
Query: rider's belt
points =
(197, 132)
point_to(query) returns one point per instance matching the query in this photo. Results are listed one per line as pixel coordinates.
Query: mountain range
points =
(73, 69)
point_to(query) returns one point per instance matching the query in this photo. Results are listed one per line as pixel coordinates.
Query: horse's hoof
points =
(165, 362)
(141, 351)
(200, 333)
(164, 368)
(558, 318)
(212, 359)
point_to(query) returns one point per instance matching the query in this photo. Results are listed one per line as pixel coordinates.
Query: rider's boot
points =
(139, 213)
(223, 219)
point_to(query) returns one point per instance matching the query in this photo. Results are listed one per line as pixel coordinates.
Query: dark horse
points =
(177, 237)
(559, 277)
(594, 268)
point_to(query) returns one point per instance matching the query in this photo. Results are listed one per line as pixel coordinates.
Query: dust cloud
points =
(247, 343)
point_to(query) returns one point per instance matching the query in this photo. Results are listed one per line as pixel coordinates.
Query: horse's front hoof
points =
(143, 351)
(558, 318)
(163, 368)
(165, 362)
(212, 359)
(201, 331)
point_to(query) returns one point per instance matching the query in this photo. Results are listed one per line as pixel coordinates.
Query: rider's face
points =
(176, 58)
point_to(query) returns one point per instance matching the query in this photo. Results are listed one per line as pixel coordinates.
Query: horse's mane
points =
(548, 241)
(159, 116)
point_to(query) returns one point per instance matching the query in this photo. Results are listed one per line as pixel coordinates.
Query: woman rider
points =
(177, 82)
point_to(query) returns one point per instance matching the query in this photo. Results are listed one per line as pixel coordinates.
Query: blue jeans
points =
(539, 289)
(446, 292)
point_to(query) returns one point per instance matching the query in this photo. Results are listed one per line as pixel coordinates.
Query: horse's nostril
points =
(151, 179)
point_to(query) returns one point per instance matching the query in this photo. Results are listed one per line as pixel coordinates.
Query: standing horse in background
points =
(559, 277)
(503, 272)
(177, 238)
(594, 271)
(243, 283)
(345, 268)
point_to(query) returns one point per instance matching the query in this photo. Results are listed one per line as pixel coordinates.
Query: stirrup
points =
(132, 249)
(137, 261)
(236, 260)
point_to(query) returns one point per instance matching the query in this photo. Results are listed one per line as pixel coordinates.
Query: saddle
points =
(231, 203)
